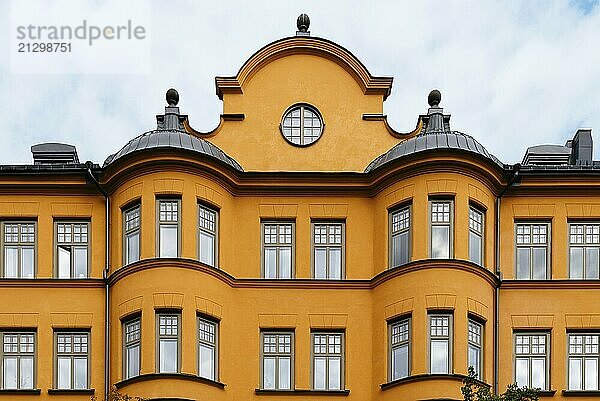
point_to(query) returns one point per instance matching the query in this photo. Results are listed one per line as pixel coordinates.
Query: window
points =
(302, 125)
(277, 360)
(532, 251)
(168, 343)
(584, 250)
(18, 355)
(207, 235)
(328, 361)
(400, 236)
(328, 250)
(441, 229)
(72, 249)
(475, 235)
(531, 360)
(131, 348)
(440, 358)
(72, 360)
(475, 347)
(207, 348)
(168, 228)
(278, 249)
(131, 235)
(18, 250)
(583, 362)
(399, 333)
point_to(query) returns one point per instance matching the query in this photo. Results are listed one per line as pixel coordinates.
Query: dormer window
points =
(302, 125)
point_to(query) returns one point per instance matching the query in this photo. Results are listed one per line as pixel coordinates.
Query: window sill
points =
(57, 391)
(176, 376)
(35, 391)
(297, 391)
(425, 377)
(581, 393)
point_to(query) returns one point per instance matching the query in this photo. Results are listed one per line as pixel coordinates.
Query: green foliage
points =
(474, 390)
(114, 395)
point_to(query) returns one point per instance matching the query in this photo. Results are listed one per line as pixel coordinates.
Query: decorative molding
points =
(583, 209)
(277, 211)
(20, 209)
(328, 321)
(399, 195)
(168, 186)
(277, 321)
(479, 195)
(72, 209)
(208, 194)
(532, 321)
(167, 300)
(582, 321)
(399, 308)
(19, 320)
(440, 301)
(130, 306)
(208, 307)
(533, 210)
(131, 192)
(71, 320)
(441, 186)
(477, 308)
(328, 210)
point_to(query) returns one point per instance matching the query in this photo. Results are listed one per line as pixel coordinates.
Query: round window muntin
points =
(298, 121)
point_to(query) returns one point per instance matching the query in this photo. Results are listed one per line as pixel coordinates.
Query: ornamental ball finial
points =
(172, 97)
(434, 98)
(303, 22)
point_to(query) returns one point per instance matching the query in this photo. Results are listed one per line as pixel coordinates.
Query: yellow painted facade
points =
(280, 182)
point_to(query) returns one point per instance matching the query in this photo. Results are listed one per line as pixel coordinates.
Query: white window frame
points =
(208, 224)
(168, 336)
(208, 337)
(69, 240)
(583, 347)
(477, 229)
(400, 223)
(132, 226)
(475, 341)
(530, 351)
(162, 219)
(399, 336)
(24, 348)
(431, 338)
(71, 353)
(132, 337)
(435, 220)
(332, 238)
(331, 347)
(529, 235)
(25, 239)
(277, 355)
(584, 236)
(278, 246)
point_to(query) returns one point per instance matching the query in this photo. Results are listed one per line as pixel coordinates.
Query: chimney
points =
(581, 147)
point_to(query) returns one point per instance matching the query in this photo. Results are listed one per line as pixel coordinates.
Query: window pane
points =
(133, 247)
(80, 373)
(539, 263)
(26, 372)
(574, 374)
(64, 262)
(269, 373)
(440, 242)
(523, 263)
(591, 263)
(285, 262)
(400, 249)
(334, 373)
(439, 356)
(207, 248)
(474, 248)
(591, 374)
(11, 261)
(168, 356)
(133, 361)
(335, 263)
(64, 373)
(474, 356)
(522, 372)
(400, 362)
(27, 261)
(207, 362)
(270, 263)
(538, 373)
(80, 261)
(320, 263)
(168, 241)
(10, 373)
(284, 373)
(319, 373)
(576, 262)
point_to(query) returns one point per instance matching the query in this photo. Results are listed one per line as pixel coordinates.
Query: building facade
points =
(303, 249)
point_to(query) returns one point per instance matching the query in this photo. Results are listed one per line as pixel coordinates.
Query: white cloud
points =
(513, 74)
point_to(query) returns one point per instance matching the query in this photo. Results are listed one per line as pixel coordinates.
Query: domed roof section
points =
(171, 134)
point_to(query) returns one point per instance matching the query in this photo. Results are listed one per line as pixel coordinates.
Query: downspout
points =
(89, 166)
(511, 180)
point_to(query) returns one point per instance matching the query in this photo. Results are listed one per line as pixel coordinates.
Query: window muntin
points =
(532, 249)
(584, 357)
(328, 361)
(328, 251)
(207, 235)
(400, 236)
(18, 249)
(18, 360)
(207, 348)
(277, 360)
(278, 249)
(131, 348)
(475, 347)
(72, 360)
(168, 228)
(131, 235)
(302, 125)
(584, 251)
(440, 357)
(476, 226)
(168, 342)
(531, 360)
(441, 229)
(399, 333)
(72, 248)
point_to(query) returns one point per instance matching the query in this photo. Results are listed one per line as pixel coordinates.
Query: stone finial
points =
(434, 98)
(172, 97)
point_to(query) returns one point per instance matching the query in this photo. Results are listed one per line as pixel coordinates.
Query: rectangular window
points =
(131, 235)
(72, 243)
(476, 226)
(131, 348)
(207, 348)
(18, 356)
(532, 250)
(584, 250)
(168, 342)
(399, 333)
(278, 249)
(72, 360)
(400, 236)
(584, 357)
(277, 360)
(531, 360)
(475, 347)
(441, 229)
(440, 357)
(328, 361)
(168, 228)
(207, 235)
(18, 249)
(328, 251)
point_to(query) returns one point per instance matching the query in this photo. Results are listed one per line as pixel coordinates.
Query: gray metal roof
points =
(172, 139)
(430, 141)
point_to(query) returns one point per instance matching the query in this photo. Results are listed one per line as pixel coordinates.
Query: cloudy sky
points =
(512, 73)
